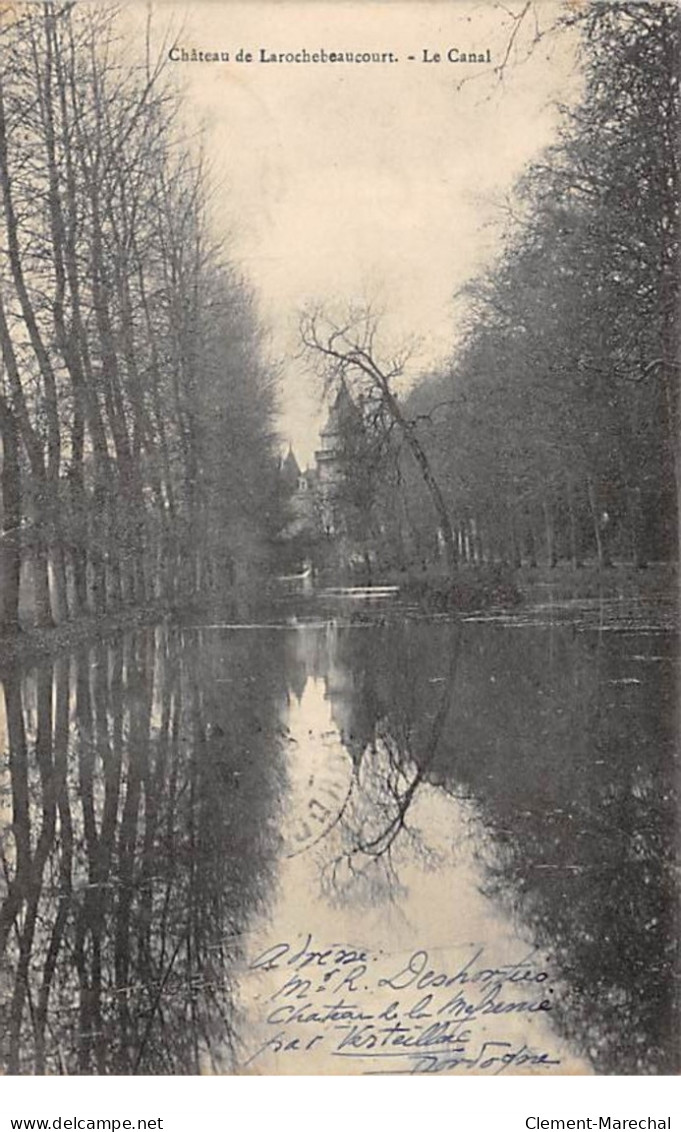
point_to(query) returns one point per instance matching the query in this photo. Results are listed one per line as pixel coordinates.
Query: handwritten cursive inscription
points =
(404, 1014)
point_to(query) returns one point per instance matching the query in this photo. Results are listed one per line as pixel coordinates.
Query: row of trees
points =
(562, 432)
(135, 407)
(553, 432)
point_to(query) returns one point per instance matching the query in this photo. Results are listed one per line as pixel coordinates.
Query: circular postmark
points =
(320, 772)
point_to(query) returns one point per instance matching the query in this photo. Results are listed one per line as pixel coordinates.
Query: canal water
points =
(349, 839)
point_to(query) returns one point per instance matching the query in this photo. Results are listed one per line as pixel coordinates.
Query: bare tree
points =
(348, 353)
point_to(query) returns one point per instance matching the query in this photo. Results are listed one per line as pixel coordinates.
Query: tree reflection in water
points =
(562, 743)
(143, 780)
(373, 821)
(143, 787)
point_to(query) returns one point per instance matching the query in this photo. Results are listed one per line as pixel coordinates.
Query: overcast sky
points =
(352, 181)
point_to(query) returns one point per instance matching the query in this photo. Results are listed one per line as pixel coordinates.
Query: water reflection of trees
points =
(383, 717)
(569, 765)
(580, 800)
(141, 792)
(143, 780)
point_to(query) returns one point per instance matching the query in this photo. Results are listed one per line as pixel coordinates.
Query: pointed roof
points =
(343, 406)
(290, 469)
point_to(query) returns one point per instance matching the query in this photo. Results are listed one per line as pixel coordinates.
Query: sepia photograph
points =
(339, 533)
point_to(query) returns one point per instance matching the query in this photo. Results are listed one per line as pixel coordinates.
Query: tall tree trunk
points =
(513, 543)
(436, 496)
(10, 534)
(550, 533)
(635, 523)
(39, 491)
(59, 583)
(572, 525)
(408, 431)
(481, 552)
(50, 529)
(531, 543)
(78, 514)
(41, 581)
(601, 549)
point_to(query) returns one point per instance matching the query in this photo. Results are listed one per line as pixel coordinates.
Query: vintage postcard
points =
(339, 527)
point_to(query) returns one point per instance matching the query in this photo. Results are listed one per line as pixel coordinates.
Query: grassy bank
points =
(494, 585)
(621, 580)
(475, 587)
(32, 642)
